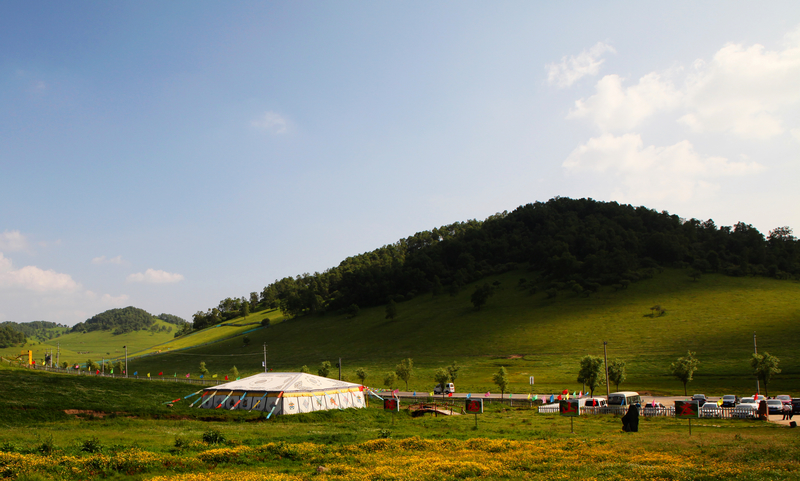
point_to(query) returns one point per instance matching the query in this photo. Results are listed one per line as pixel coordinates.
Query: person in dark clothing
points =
(763, 411)
(630, 421)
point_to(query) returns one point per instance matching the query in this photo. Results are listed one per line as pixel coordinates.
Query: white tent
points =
(284, 393)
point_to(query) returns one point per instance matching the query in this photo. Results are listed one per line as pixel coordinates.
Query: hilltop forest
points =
(576, 244)
(125, 320)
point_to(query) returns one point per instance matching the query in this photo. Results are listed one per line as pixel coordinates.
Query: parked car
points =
(700, 398)
(746, 409)
(653, 409)
(775, 406)
(730, 400)
(796, 405)
(710, 410)
(784, 398)
(594, 402)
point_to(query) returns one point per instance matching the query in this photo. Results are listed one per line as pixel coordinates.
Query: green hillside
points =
(532, 335)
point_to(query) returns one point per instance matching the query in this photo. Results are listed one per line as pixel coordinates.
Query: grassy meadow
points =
(58, 426)
(532, 335)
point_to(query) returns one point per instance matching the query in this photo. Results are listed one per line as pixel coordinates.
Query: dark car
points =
(730, 400)
(700, 398)
(796, 405)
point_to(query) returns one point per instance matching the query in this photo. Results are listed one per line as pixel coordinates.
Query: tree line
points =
(577, 244)
(127, 319)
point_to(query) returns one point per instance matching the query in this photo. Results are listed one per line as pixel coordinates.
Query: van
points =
(624, 398)
(448, 388)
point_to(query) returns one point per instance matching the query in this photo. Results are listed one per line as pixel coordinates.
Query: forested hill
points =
(123, 320)
(565, 243)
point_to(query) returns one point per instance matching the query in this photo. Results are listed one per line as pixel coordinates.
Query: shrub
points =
(212, 436)
(91, 445)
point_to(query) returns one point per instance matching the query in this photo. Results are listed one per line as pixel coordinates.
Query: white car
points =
(746, 409)
(710, 410)
(448, 388)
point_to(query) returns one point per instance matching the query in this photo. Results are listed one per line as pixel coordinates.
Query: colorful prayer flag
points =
(187, 374)
(135, 372)
(214, 376)
(226, 377)
(161, 373)
(201, 376)
(148, 374)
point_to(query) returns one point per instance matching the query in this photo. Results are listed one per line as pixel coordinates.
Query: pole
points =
(58, 352)
(340, 368)
(126, 360)
(755, 350)
(605, 362)
(265, 357)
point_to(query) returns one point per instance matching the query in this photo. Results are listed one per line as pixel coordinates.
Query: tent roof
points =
(287, 382)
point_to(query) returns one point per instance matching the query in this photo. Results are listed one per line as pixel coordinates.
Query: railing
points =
(651, 411)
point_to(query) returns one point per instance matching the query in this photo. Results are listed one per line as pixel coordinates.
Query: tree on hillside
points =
(441, 377)
(405, 370)
(390, 379)
(452, 372)
(353, 310)
(765, 366)
(481, 295)
(391, 309)
(305, 369)
(616, 372)
(684, 369)
(501, 379)
(234, 373)
(361, 374)
(590, 372)
(203, 370)
(324, 368)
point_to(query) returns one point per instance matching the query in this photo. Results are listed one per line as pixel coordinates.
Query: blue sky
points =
(167, 155)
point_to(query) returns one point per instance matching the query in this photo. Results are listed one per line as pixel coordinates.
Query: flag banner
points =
(238, 378)
(148, 374)
(469, 395)
(175, 375)
(535, 397)
(214, 376)
(112, 371)
(201, 376)
(486, 395)
(161, 373)
(226, 377)
(415, 393)
(135, 373)
(449, 394)
(431, 394)
(552, 398)
(187, 375)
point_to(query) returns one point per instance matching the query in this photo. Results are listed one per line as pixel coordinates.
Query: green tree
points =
(324, 368)
(361, 374)
(591, 372)
(764, 367)
(452, 372)
(245, 309)
(390, 379)
(353, 310)
(203, 370)
(481, 295)
(305, 369)
(501, 379)
(391, 309)
(91, 365)
(234, 373)
(405, 370)
(246, 341)
(616, 372)
(684, 369)
(440, 377)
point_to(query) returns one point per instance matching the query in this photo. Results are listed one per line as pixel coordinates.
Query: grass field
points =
(535, 336)
(125, 431)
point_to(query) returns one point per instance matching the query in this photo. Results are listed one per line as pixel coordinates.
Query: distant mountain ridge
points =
(127, 319)
(576, 244)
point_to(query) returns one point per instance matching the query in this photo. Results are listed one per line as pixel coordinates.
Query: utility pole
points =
(605, 362)
(126, 360)
(58, 352)
(265, 357)
(340, 368)
(755, 350)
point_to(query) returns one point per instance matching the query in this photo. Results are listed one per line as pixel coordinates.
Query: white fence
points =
(650, 411)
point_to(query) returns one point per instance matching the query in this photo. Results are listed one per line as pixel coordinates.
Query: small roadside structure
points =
(284, 393)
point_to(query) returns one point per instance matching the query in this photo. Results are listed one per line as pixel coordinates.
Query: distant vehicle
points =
(653, 409)
(784, 398)
(624, 398)
(746, 409)
(730, 400)
(596, 402)
(796, 406)
(775, 406)
(710, 410)
(448, 388)
(700, 398)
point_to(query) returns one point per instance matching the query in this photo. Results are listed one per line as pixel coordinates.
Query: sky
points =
(167, 155)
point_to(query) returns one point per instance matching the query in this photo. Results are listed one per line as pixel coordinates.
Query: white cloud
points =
(11, 241)
(154, 276)
(613, 108)
(573, 68)
(653, 173)
(33, 278)
(271, 122)
(114, 260)
(746, 91)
